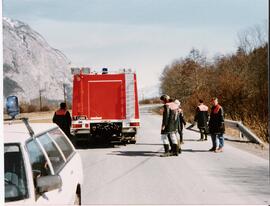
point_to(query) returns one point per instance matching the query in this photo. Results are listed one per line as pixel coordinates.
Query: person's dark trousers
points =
(170, 141)
(175, 149)
(166, 148)
(203, 133)
(181, 135)
(214, 142)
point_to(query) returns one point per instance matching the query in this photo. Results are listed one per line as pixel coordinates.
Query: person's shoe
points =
(219, 150)
(212, 149)
(205, 139)
(175, 149)
(180, 150)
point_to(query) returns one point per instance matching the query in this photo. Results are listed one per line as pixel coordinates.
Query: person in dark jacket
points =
(216, 125)
(201, 117)
(63, 119)
(181, 122)
(169, 125)
(169, 135)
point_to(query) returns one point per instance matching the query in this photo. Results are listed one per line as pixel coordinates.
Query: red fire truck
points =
(105, 105)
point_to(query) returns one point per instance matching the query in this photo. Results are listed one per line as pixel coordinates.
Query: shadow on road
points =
(149, 144)
(193, 130)
(149, 153)
(191, 140)
(136, 153)
(96, 144)
(192, 150)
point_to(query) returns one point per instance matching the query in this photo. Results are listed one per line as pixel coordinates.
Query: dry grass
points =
(34, 117)
(232, 132)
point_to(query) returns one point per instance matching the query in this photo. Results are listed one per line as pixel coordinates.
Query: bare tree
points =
(253, 37)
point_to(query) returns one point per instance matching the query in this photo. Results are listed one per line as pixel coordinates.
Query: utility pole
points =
(40, 99)
(64, 87)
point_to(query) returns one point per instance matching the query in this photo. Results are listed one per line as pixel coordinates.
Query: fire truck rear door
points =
(105, 99)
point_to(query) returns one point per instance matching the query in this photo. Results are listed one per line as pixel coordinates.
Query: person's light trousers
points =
(173, 135)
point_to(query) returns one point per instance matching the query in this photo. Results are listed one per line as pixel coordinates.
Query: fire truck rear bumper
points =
(80, 131)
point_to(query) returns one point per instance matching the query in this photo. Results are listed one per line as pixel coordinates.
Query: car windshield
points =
(15, 178)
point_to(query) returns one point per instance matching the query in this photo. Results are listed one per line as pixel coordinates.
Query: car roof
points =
(15, 133)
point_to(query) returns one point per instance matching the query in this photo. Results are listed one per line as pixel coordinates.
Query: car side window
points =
(52, 151)
(62, 142)
(37, 159)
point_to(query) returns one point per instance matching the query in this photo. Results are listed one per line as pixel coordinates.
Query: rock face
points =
(31, 65)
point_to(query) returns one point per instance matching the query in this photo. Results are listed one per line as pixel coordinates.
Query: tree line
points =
(239, 80)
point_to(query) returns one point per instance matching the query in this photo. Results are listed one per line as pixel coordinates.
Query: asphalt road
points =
(136, 174)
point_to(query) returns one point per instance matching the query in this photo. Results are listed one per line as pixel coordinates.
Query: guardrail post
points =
(240, 132)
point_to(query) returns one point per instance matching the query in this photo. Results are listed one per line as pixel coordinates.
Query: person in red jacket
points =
(216, 125)
(63, 119)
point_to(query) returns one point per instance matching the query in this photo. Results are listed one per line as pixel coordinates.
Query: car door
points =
(72, 167)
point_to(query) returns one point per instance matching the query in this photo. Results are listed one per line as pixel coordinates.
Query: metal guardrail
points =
(244, 131)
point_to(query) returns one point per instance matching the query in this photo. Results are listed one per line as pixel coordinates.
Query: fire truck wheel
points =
(124, 141)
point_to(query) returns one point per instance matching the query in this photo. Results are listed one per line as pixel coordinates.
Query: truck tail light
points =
(76, 125)
(86, 125)
(134, 124)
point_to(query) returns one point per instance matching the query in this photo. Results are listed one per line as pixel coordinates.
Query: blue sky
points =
(145, 35)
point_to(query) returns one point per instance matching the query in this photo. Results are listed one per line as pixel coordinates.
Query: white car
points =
(43, 168)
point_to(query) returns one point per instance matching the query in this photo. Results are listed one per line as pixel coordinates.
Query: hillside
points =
(31, 65)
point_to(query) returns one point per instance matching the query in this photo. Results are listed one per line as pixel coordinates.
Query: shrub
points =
(31, 108)
(45, 108)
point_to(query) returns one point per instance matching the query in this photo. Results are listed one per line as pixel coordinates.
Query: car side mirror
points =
(12, 106)
(48, 183)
